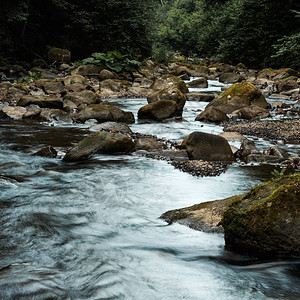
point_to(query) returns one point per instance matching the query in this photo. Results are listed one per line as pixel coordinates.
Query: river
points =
(91, 230)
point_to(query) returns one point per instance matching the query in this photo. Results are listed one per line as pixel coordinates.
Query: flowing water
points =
(91, 230)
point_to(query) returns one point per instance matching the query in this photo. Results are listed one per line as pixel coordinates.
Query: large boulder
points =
(209, 147)
(158, 110)
(237, 96)
(212, 114)
(173, 94)
(287, 84)
(100, 142)
(104, 113)
(266, 221)
(198, 83)
(169, 81)
(41, 101)
(59, 55)
(231, 78)
(83, 97)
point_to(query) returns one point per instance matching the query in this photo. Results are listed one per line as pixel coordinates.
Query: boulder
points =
(276, 151)
(54, 87)
(41, 101)
(285, 73)
(173, 94)
(209, 147)
(287, 84)
(32, 113)
(159, 110)
(251, 112)
(169, 81)
(104, 113)
(15, 93)
(198, 83)
(149, 143)
(267, 73)
(111, 126)
(100, 142)
(266, 222)
(71, 79)
(87, 70)
(212, 114)
(248, 151)
(238, 96)
(83, 97)
(48, 151)
(14, 112)
(59, 55)
(49, 115)
(106, 74)
(231, 78)
(200, 96)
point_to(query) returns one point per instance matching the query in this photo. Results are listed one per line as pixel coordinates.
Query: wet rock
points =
(169, 94)
(59, 55)
(267, 73)
(169, 81)
(231, 78)
(4, 116)
(69, 106)
(149, 143)
(198, 83)
(159, 110)
(251, 112)
(100, 142)
(41, 101)
(212, 114)
(276, 151)
(265, 222)
(83, 97)
(14, 112)
(32, 113)
(114, 87)
(104, 113)
(15, 93)
(248, 148)
(205, 216)
(52, 87)
(111, 126)
(238, 96)
(48, 151)
(208, 147)
(287, 84)
(50, 114)
(200, 96)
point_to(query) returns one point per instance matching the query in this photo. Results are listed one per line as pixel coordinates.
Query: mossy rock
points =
(59, 55)
(159, 110)
(267, 73)
(100, 142)
(206, 216)
(238, 96)
(173, 94)
(266, 221)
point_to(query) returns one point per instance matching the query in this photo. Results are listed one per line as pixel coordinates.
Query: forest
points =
(256, 33)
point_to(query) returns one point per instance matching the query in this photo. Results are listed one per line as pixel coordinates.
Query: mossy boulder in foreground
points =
(266, 221)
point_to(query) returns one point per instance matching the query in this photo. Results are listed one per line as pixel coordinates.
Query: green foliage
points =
(232, 31)
(276, 173)
(112, 60)
(30, 78)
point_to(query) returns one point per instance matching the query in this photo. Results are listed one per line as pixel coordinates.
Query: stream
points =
(91, 230)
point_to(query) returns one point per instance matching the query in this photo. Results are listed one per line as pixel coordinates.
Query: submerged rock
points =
(48, 151)
(111, 126)
(100, 142)
(266, 221)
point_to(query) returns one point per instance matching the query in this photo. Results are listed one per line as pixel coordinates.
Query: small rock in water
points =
(48, 151)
